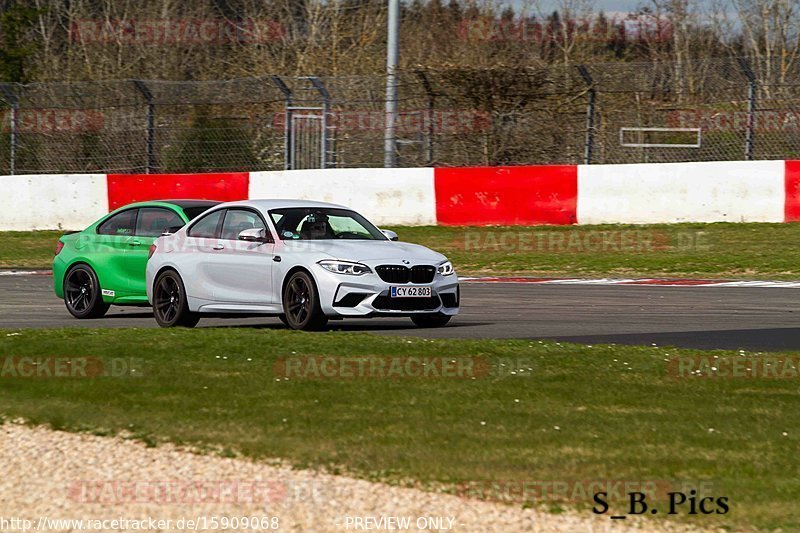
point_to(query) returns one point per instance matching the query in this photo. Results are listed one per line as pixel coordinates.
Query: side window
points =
(206, 227)
(238, 220)
(153, 221)
(123, 223)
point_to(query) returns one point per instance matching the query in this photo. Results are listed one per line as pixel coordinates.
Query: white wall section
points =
(726, 191)
(403, 196)
(52, 201)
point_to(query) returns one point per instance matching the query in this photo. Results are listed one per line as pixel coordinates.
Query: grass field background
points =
(724, 250)
(580, 412)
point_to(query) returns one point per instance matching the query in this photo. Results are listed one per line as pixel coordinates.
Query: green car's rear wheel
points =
(82, 294)
(170, 305)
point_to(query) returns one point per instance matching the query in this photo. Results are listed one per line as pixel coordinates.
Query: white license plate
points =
(411, 292)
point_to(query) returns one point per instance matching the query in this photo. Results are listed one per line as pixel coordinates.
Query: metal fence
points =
(725, 109)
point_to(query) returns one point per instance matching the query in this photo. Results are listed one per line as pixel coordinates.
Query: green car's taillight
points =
(59, 247)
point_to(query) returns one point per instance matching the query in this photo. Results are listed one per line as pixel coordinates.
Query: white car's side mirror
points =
(254, 235)
(392, 236)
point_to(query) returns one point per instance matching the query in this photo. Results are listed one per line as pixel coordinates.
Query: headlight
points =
(344, 267)
(446, 268)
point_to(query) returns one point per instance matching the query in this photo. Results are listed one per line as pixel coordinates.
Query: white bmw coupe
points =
(305, 262)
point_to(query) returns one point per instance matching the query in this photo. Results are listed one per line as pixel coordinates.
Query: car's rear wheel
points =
(82, 294)
(433, 320)
(170, 305)
(301, 303)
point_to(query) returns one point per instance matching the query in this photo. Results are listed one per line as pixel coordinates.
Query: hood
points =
(355, 250)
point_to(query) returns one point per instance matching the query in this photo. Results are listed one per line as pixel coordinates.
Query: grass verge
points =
(579, 413)
(723, 250)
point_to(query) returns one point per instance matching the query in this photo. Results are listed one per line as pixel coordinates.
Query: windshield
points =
(320, 223)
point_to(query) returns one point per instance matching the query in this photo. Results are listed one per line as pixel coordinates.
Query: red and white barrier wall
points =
(735, 191)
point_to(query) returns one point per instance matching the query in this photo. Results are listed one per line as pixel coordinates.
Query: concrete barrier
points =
(736, 191)
(52, 201)
(403, 196)
(508, 196)
(726, 191)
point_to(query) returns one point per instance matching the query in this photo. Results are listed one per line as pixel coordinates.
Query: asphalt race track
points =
(751, 318)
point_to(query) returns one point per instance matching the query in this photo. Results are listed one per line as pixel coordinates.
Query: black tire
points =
(82, 294)
(434, 320)
(170, 305)
(282, 318)
(301, 303)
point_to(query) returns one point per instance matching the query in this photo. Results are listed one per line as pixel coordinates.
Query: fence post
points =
(592, 97)
(148, 96)
(287, 131)
(752, 92)
(426, 84)
(326, 106)
(11, 97)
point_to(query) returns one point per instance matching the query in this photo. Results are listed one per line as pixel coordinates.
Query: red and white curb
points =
(643, 281)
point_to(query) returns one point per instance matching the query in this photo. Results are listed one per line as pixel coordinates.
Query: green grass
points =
(723, 250)
(620, 416)
(28, 249)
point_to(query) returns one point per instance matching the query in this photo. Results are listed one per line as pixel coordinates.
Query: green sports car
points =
(105, 263)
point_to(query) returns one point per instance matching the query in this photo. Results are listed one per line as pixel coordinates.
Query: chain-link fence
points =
(726, 109)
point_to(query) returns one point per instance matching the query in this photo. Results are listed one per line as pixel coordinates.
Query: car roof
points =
(183, 204)
(267, 204)
(192, 203)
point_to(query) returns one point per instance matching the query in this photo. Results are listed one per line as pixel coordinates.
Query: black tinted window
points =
(207, 226)
(153, 221)
(194, 212)
(122, 223)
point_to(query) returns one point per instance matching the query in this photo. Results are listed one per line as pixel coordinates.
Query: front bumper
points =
(368, 295)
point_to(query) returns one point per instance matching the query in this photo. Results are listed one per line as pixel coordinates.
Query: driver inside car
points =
(316, 226)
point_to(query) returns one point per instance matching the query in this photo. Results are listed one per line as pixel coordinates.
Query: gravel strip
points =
(58, 475)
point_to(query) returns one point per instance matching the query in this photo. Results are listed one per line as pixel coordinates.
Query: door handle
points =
(134, 243)
(218, 247)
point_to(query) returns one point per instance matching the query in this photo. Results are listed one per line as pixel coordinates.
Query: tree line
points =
(78, 40)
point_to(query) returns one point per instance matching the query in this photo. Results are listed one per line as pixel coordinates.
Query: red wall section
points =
(506, 195)
(126, 188)
(792, 201)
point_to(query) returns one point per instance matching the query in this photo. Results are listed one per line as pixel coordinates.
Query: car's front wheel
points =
(170, 305)
(82, 294)
(301, 303)
(434, 320)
